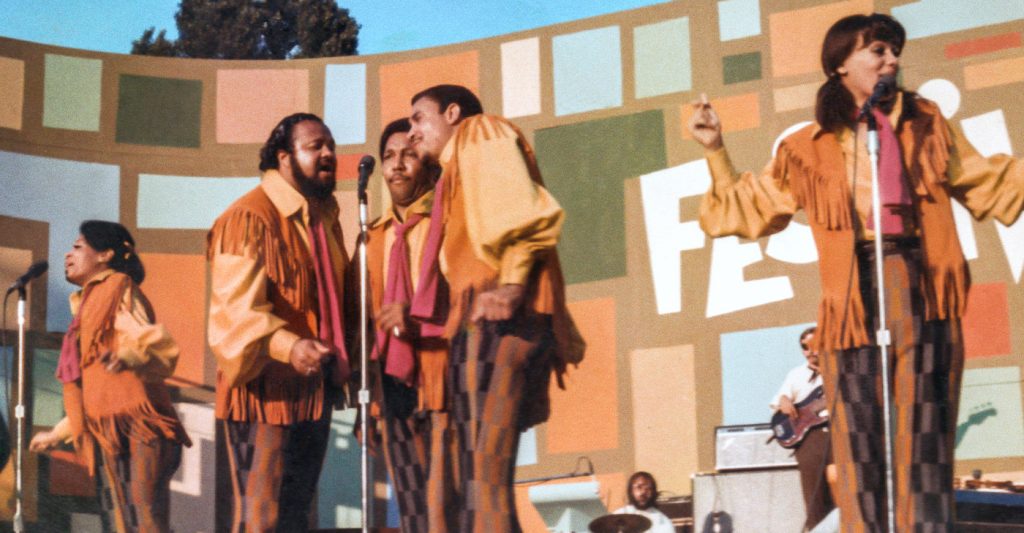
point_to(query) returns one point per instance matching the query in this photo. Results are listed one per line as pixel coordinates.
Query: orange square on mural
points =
(737, 113)
(400, 81)
(986, 325)
(983, 45)
(993, 73)
(796, 36)
(585, 416)
(176, 286)
(251, 102)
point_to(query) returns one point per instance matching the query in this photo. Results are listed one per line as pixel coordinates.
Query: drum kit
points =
(620, 523)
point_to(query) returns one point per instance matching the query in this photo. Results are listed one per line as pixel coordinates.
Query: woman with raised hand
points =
(113, 364)
(924, 164)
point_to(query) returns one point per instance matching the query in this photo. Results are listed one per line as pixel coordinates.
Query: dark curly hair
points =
(629, 487)
(281, 138)
(102, 235)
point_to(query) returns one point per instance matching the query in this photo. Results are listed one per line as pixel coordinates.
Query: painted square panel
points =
(12, 92)
(520, 77)
(345, 102)
(584, 166)
(741, 67)
(251, 102)
(71, 93)
(662, 57)
(986, 326)
(990, 422)
(738, 19)
(754, 365)
(665, 413)
(176, 286)
(399, 82)
(585, 416)
(933, 17)
(587, 70)
(186, 202)
(796, 36)
(159, 111)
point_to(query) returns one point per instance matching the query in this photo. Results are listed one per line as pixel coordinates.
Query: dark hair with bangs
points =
(835, 105)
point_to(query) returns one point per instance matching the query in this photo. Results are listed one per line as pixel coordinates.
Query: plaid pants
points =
(134, 485)
(276, 470)
(926, 365)
(494, 367)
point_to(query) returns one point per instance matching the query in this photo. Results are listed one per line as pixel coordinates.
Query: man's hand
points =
(704, 125)
(498, 304)
(393, 318)
(308, 355)
(44, 441)
(787, 408)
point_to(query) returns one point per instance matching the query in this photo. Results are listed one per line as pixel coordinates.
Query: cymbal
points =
(620, 523)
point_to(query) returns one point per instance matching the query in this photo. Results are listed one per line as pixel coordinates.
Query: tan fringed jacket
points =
(810, 172)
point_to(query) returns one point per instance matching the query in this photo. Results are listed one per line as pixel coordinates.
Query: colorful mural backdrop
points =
(686, 333)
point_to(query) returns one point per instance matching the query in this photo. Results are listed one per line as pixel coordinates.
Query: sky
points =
(387, 26)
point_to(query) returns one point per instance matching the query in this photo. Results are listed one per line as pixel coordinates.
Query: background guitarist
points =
(814, 452)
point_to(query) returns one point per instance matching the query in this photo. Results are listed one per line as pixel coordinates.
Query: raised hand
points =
(704, 125)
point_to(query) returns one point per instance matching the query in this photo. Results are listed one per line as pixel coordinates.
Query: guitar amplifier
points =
(747, 446)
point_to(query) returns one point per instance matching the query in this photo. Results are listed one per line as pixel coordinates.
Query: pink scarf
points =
(430, 303)
(69, 365)
(331, 314)
(401, 361)
(893, 191)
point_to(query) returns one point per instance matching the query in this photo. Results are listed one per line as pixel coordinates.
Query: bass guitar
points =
(812, 412)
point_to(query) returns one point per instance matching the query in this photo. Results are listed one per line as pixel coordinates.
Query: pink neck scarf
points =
(69, 365)
(430, 303)
(893, 191)
(401, 361)
(331, 314)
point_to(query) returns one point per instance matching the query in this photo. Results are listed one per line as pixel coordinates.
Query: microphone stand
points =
(19, 414)
(882, 336)
(364, 388)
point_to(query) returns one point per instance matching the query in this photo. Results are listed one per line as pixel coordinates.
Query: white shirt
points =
(659, 522)
(799, 383)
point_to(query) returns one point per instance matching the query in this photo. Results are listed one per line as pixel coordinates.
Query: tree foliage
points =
(255, 29)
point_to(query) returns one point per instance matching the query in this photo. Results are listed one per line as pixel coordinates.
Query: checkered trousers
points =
(926, 365)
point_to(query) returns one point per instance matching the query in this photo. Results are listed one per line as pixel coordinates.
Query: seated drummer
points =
(814, 451)
(642, 491)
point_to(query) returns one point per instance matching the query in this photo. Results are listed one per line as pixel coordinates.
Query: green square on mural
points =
(159, 111)
(741, 67)
(71, 92)
(584, 166)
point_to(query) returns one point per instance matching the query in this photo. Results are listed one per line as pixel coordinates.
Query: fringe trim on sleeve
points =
(825, 198)
(245, 232)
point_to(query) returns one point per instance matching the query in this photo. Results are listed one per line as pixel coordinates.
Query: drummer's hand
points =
(44, 441)
(786, 407)
(704, 125)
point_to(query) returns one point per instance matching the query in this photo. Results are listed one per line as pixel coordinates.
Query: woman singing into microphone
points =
(113, 364)
(924, 164)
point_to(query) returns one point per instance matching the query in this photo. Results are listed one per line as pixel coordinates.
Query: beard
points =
(310, 186)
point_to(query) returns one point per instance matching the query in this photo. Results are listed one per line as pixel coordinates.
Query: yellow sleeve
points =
(986, 186)
(243, 333)
(509, 217)
(142, 345)
(747, 205)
